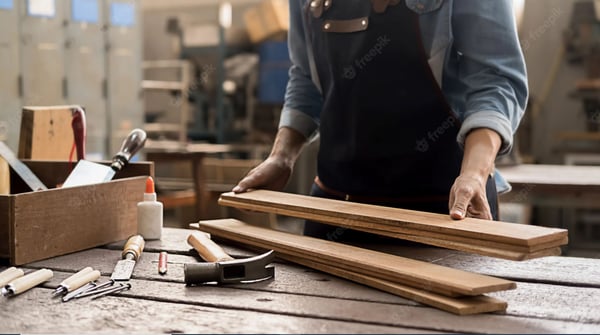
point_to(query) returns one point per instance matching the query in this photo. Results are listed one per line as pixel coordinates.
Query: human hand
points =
(272, 174)
(468, 199)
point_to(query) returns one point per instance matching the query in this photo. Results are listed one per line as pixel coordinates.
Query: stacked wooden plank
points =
(490, 238)
(455, 291)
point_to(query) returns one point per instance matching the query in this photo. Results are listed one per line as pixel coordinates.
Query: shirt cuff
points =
(298, 121)
(491, 120)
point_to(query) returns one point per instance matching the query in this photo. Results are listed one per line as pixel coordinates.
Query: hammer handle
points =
(208, 250)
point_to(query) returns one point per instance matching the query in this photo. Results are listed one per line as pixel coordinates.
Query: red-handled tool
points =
(79, 131)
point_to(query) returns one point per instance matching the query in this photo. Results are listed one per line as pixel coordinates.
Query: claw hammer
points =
(221, 267)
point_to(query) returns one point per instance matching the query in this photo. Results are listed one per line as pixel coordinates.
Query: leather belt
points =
(377, 200)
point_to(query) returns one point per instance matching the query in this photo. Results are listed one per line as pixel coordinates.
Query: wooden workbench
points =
(553, 185)
(554, 295)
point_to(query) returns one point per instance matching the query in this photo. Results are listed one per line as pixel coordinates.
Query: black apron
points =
(388, 135)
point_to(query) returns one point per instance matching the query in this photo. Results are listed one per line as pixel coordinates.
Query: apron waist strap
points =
(378, 200)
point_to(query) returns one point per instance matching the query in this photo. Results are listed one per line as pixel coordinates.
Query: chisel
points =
(26, 282)
(76, 281)
(87, 172)
(131, 253)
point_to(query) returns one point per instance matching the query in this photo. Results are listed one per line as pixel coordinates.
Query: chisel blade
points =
(123, 270)
(131, 253)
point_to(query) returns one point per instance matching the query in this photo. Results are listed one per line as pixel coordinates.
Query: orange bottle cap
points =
(149, 185)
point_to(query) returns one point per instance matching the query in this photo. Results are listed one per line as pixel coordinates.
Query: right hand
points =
(272, 174)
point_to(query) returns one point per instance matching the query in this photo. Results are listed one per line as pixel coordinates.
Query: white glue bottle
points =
(150, 214)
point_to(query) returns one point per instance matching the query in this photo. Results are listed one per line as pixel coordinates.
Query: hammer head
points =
(231, 272)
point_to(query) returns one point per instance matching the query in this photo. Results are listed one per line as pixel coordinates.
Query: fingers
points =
(248, 182)
(468, 200)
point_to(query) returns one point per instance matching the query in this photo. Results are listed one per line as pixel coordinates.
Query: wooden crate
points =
(44, 224)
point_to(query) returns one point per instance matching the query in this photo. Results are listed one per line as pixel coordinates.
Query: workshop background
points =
(210, 71)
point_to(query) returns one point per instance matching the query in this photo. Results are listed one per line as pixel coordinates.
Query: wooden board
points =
(46, 133)
(504, 232)
(565, 271)
(302, 300)
(4, 177)
(482, 247)
(539, 178)
(461, 306)
(529, 302)
(429, 277)
(135, 313)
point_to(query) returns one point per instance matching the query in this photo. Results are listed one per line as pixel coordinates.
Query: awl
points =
(131, 253)
(77, 280)
(86, 172)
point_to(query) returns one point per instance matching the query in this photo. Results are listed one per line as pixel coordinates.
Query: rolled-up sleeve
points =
(303, 101)
(491, 68)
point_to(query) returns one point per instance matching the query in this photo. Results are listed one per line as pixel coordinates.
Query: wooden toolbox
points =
(44, 224)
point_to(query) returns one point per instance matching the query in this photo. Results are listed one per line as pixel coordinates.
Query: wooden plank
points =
(553, 270)
(349, 312)
(5, 218)
(548, 302)
(544, 178)
(35, 312)
(531, 305)
(466, 246)
(60, 221)
(461, 306)
(290, 278)
(46, 133)
(482, 247)
(505, 232)
(397, 269)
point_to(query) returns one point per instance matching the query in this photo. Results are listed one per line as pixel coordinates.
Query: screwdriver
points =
(77, 280)
(26, 282)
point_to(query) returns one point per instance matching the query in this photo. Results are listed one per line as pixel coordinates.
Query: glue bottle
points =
(150, 214)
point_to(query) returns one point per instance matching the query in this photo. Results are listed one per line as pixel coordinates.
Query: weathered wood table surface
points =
(554, 295)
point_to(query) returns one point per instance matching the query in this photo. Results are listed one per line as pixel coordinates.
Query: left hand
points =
(468, 198)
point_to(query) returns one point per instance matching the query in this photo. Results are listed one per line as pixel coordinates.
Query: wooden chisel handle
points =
(28, 281)
(67, 282)
(81, 280)
(134, 247)
(208, 250)
(9, 275)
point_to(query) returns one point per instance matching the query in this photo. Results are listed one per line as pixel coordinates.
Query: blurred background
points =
(214, 72)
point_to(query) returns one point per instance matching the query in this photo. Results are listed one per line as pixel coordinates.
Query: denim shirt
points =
(473, 51)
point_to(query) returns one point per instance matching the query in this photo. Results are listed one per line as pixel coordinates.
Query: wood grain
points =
(429, 277)
(529, 302)
(478, 246)
(461, 306)
(138, 313)
(46, 133)
(73, 219)
(504, 232)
